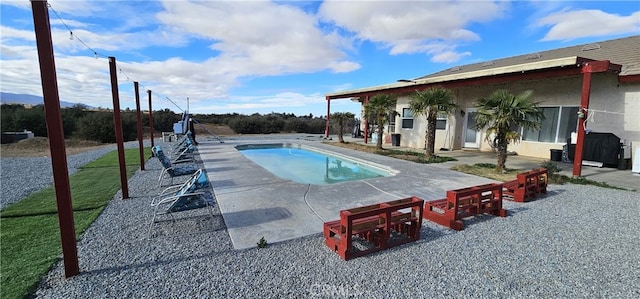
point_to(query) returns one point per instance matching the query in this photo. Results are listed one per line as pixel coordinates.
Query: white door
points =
(471, 135)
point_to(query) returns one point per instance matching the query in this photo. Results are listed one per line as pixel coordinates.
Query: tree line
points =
(97, 125)
(266, 124)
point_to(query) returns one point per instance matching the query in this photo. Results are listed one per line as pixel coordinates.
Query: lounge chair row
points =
(192, 193)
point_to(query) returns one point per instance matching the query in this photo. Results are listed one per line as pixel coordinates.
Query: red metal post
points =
(326, 129)
(587, 69)
(53, 118)
(150, 121)
(366, 122)
(117, 121)
(139, 118)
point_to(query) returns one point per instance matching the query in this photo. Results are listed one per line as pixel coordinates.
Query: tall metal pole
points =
(587, 70)
(584, 105)
(53, 117)
(150, 120)
(139, 117)
(326, 126)
(366, 122)
(117, 121)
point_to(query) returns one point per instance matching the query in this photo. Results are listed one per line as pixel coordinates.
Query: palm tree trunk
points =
(379, 142)
(431, 135)
(426, 137)
(502, 153)
(340, 130)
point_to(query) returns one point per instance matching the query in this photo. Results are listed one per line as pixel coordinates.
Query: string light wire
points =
(73, 36)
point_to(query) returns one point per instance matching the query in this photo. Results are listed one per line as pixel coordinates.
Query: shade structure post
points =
(139, 120)
(55, 133)
(117, 122)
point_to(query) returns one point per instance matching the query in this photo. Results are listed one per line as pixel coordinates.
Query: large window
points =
(407, 119)
(557, 125)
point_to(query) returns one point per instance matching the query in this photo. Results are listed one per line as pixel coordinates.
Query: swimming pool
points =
(307, 165)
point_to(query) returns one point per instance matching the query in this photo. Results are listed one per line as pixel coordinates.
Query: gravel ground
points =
(575, 242)
(23, 176)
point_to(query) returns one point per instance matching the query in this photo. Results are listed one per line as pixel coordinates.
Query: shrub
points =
(552, 167)
(98, 126)
(296, 125)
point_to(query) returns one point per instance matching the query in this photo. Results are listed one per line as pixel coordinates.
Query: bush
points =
(163, 120)
(98, 126)
(317, 126)
(297, 125)
(552, 167)
(16, 118)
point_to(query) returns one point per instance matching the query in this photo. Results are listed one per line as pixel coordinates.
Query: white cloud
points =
(232, 40)
(572, 24)
(9, 34)
(448, 57)
(274, 103)
(408, 27)
(261, 38)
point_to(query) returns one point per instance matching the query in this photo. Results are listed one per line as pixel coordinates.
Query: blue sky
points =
(282, 56)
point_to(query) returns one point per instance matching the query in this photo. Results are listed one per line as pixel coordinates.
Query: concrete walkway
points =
(612, 176)
(256, 204)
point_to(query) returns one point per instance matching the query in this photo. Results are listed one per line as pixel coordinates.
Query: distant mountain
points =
(27, 99)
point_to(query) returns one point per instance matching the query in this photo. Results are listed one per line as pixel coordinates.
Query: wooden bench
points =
(461, 203)
(527, 185)
(374, 227)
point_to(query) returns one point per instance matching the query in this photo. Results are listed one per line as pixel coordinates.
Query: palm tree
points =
(381, 108)
(504, 113)
(428, 103)
(340, 120)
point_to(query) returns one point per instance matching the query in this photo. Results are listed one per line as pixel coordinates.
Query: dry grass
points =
(418, 157)
(219, 130)
(355, 146)
(487, 171)
(39, 147)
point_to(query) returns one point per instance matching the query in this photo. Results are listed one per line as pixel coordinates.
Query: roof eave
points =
(573, 61)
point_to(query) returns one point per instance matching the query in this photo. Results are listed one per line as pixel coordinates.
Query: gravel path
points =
(23, 176)
(576, 242)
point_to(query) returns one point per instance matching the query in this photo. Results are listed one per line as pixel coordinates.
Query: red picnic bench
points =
(527, 185)
(375, 227)
(461, 203)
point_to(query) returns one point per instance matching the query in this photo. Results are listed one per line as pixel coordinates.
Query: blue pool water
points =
(308, 166)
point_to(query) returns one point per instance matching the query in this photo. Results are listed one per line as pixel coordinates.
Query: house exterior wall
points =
(615, 108)
(415, 137)
(410, 137)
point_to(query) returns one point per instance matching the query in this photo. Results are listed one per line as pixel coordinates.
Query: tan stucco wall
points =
(415, 137)
(616, 109)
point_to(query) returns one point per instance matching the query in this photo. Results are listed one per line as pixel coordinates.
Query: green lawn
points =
(30, 234)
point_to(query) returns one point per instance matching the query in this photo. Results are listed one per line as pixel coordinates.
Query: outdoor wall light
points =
(462, 113)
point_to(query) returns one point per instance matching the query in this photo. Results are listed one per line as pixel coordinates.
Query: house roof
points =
(624, 52)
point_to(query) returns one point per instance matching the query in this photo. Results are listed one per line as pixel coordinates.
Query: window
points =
(441, 121)
(557, 126)
(407, 118)
(392, 124)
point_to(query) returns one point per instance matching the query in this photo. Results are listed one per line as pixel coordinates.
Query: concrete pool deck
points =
(256, 204)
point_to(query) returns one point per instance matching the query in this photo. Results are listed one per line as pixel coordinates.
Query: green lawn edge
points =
(30, 234)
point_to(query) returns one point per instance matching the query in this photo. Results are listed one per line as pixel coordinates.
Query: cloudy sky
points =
(281, 56)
